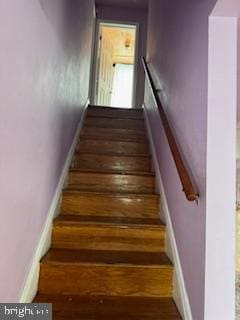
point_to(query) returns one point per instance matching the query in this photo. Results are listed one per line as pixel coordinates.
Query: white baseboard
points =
(180, 295)
(31, 284)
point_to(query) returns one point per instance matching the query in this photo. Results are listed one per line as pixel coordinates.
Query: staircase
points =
(107, 257)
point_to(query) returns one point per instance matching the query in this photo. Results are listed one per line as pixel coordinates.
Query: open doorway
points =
(115, 65)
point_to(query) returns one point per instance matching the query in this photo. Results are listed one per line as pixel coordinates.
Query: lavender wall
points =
(223, 104)
(227, 9)
(177, 51)
(44, 79)
(221, 169)
(130, 15)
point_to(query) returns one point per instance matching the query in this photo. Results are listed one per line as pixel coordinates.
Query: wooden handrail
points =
(187, 184)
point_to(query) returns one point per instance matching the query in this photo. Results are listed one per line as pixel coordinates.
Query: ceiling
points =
(141, 4)
(123, 42)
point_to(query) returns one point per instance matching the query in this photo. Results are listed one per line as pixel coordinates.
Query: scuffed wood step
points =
(112, 162)
(109, 112)
(108, 257)
(100, 278)
(109, 182)
(104, 204)
(102, 122)
(114, 137)
(114, 134)
(113, 147)
(108, 308)
(70, 232)
(106, 171)
(104, 220)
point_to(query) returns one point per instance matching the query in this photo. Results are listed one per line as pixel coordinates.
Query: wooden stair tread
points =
(114, 130)
(74, 307)
(104, 117)
(117, 222)
(108, 194)
(107, 258)
(119, 172)
(110, 204)
(115, 112)
(104, 257)
(114, 115)
(112, 154)
(78, 187)
(117, 147)
(93, 106)
(126, 196)
(70, 232)
(112, 162)
(92, 279)
(114, 137)
(112, 172)
(120, 123)
(108, 140)
(111, 182)
(93, 152)
(114, 134)
(120, 221)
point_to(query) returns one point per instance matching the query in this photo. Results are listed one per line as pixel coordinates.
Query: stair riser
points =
(111, 182)
(126, 148)
(115, 133)
(88, 280)
(117, 308)
(136, 207)
(114, 137)
(119, 163)
(108, 243)
(108, 238)
(110, 113)
(115, 123)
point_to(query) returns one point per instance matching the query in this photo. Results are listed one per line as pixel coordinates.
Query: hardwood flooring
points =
(107, 258)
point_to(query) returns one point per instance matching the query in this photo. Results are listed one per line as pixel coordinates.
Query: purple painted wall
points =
(130, 15)
(177, 51)
(45, 65)
(223, 104)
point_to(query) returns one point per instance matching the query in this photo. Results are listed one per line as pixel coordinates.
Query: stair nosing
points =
(130, 117)
(130, 173)
(118, 118)
(109, 140)
(114, 154)
(166, 264)
(112, 225)
(104, 194)
(135, 131)
(78, 187)
(94, 219)
(99, 297)
(142, 130)
(69, 213)
(139, 155)
(119, 135)
(110, 265)
(91, 107)
(152, 175)
(116, 139)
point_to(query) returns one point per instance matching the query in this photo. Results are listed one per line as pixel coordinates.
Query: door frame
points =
(95, 65)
